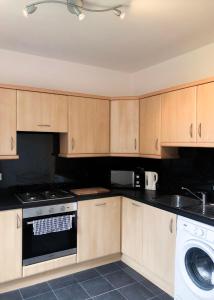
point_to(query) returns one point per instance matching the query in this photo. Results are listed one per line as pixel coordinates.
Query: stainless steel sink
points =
(207, 211)
(177, 201)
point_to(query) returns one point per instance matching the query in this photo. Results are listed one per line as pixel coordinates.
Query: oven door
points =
(38, 248)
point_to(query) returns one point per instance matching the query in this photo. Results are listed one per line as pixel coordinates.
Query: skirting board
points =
(42, 277)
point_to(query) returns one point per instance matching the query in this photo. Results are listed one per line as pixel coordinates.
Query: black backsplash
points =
(39, 164)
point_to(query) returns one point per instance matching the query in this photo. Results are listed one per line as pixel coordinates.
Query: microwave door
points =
(124, 179)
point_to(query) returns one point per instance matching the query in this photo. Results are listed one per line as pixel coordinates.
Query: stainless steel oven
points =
(49, 232)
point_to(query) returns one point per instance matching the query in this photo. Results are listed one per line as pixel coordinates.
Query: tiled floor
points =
(114, 281)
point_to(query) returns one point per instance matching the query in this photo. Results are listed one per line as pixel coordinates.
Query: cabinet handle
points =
(11, 143)
(156, 144)
(18, 221)
(100, 204)
(72, 143)
(135, 144)
(171, 226)
(191, 130)
(199, 130)
(44, 125)
(136, 205)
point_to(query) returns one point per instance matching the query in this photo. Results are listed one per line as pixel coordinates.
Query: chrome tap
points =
(202, 198)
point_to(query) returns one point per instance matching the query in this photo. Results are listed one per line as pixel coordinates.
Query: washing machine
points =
(194, 262)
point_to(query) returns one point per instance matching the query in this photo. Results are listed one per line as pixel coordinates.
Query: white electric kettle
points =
(151, 179)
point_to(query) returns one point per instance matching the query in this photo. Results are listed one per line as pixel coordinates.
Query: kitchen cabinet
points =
(88, 133)
(8, 124)
(98, 228)
(150, 126)
(179, 117)
(125, 127)
(132, 229)
(205, 120)
(41, 112)
(11, 245)
(159, 240)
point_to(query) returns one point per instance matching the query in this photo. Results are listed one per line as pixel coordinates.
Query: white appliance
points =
(194, 263)
(151, 179)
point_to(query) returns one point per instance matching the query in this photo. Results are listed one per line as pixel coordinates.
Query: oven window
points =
(200, 268)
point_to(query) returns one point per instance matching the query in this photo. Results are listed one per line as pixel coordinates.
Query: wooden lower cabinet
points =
(132, 229)
(98, 228)
(10, 245)
(148, 242)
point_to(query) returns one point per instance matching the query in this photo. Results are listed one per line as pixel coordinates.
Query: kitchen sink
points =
(207, 211)
(177, 201)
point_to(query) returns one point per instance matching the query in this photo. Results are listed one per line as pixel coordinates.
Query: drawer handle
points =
(199, 130)
(191, 130)
(44, 125)
(72, 143)
(156, 144)
(100, 204)
(18, 221)
(136, 205)
(135, 144)
(171, 226)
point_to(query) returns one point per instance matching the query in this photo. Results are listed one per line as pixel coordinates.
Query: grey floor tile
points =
(35, 290)
(62, 282)
(114, 295)
(14, 295)
(163, 296)
(136, 292)
(136, 276)
(46, 296)
(71, 292)
(97, 286)
(119, 279)
(86, 275)
(150, 286)
(121, 264)
(109, 268)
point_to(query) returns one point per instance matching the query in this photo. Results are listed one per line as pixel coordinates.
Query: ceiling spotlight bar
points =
(75, 7)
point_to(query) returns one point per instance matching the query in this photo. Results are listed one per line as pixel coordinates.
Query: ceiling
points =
(153, 31)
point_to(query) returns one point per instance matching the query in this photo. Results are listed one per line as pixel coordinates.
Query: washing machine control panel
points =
(199, 231)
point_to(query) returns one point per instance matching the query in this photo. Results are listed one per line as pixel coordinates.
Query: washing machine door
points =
(197, 263)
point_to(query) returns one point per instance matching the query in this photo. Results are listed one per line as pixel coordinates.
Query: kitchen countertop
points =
(9, 201)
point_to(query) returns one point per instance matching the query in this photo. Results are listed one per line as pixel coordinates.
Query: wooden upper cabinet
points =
(88, 128)
(179, 117)
(7, 122)
(150, 126)
(11, 245)
(205, 109)
(98, 228)
(125, 127)
(41, 112)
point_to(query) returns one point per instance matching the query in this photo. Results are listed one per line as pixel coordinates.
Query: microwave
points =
(127, 179)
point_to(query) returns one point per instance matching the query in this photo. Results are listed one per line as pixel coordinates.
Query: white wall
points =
(194, 65)
(23, 69)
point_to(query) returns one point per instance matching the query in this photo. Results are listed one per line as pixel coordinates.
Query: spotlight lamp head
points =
(78, 12)
(119, 13)
(29, 9)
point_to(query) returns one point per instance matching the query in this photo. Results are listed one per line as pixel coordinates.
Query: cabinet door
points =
(150, 126)
(132, 229)
(159, 238)
(179, 117)
(205, 108)
(11, 245)
(125, 126)
(41, 112)
(88, 126)
(98, 228)
(8, 122)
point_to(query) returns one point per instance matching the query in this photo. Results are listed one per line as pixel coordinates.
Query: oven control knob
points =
(39, 212)
(51, 210)
(62, 208)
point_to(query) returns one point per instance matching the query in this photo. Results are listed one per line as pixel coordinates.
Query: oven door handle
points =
(31, 222)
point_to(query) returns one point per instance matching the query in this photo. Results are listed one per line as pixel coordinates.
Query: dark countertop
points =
(9, 201)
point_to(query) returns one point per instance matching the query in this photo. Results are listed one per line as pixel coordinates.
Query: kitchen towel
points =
(55, 224)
